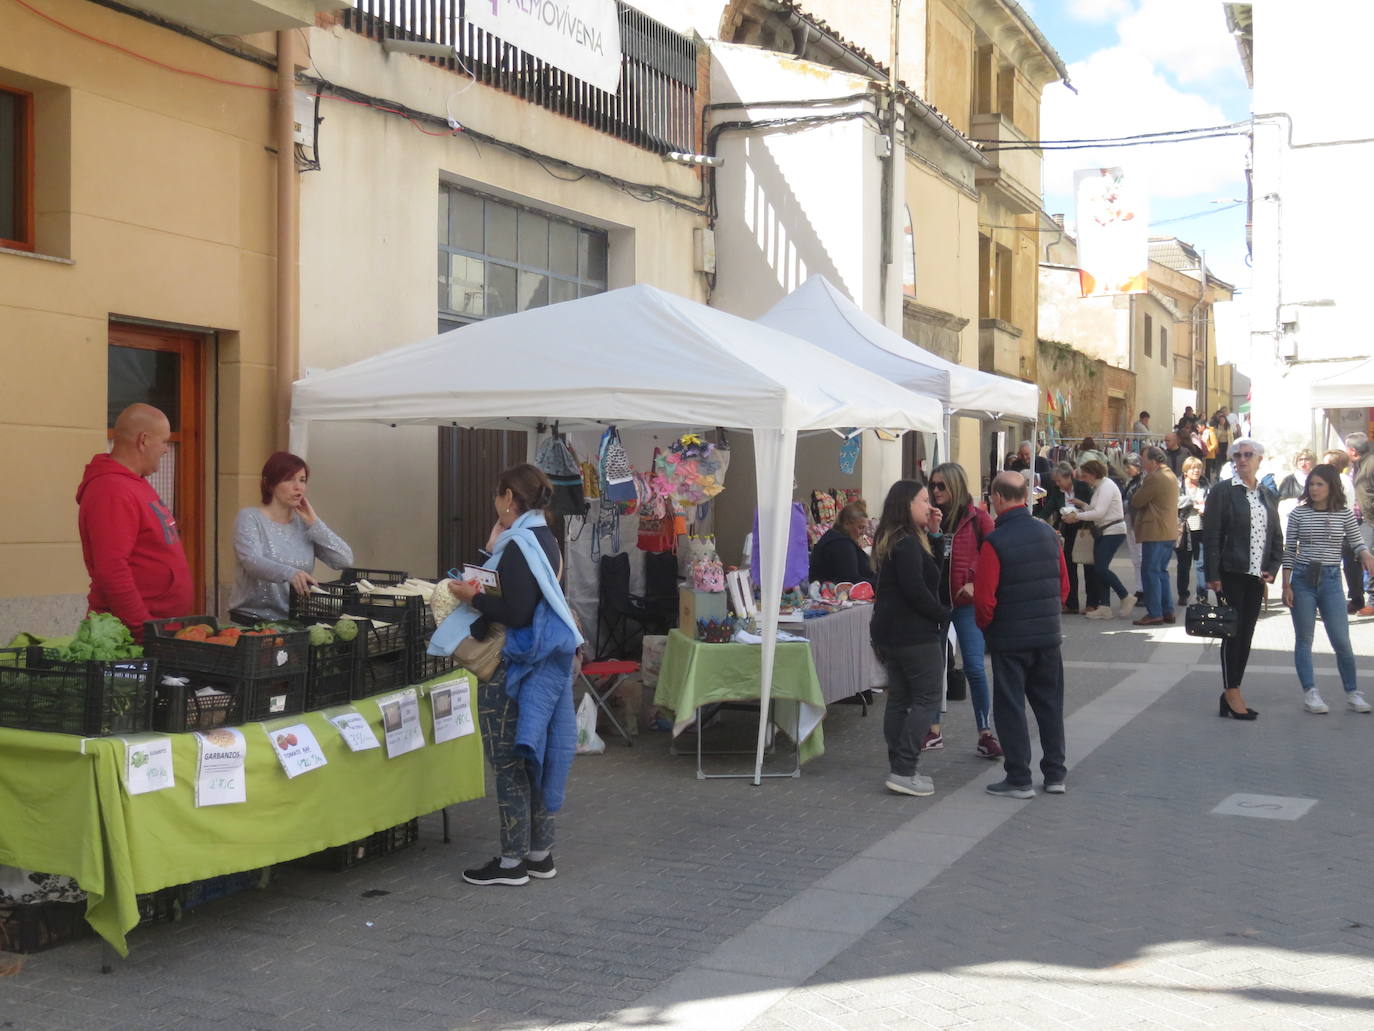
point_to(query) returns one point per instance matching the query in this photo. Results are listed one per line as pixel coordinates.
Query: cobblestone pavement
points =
(826, 902)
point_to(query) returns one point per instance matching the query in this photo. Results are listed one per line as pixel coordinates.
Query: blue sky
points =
(1148, 66)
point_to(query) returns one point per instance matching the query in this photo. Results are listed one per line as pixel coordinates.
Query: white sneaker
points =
(1312, 702)
(1128, 605)
(1101, 612)
(913, 785)
(1355, 701)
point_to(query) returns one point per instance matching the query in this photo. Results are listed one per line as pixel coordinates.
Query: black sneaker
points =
(541, 868)
(495, 873)
(1006, 789)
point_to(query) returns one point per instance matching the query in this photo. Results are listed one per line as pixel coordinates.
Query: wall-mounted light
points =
(693, 159)
(405, 46)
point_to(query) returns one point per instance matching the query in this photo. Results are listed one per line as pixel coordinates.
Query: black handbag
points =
(1219, 620)
(956, 684)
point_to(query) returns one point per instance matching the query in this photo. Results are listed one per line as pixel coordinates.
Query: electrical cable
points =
(141, 57)
(1136, 136)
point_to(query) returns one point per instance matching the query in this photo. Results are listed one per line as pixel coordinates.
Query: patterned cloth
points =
(1259, 529)
(525, 822)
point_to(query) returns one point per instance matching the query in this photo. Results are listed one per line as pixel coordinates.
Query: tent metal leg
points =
(107, 957)
(794, 772)
(443, 815)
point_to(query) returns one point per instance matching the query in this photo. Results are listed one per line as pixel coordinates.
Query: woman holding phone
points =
(278, 543)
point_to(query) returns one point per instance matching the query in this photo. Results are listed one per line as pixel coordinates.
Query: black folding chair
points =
(623, 618)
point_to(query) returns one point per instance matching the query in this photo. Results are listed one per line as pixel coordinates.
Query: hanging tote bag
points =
(560, 465)
(617, 479)
(656, 532)
(1082, 551)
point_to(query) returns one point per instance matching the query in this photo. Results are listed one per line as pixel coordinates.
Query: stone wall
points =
(1079, 385)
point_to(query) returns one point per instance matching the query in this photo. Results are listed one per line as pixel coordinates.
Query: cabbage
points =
(345, 629)
(101, 637)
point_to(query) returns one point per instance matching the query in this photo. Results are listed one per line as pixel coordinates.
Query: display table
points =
(695, 674)
(845, 662)
(64, 808)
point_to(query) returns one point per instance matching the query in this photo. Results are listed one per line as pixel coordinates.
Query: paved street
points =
(825, 902)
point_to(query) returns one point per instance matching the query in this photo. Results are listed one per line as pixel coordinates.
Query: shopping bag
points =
(588, 740)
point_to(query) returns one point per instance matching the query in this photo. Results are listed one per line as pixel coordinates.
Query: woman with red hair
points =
(278, 543)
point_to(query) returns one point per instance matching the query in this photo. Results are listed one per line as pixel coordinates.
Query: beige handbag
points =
(1082, 548)
(480, 658)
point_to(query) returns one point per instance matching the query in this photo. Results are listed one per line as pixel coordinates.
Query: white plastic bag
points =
(588, 740)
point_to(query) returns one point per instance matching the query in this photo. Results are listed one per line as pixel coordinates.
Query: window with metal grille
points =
(496, 258)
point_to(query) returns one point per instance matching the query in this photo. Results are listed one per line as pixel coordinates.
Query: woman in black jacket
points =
(837, 556)
(908, 631)
(1243, 550)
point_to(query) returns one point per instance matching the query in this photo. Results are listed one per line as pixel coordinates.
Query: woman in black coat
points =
(838, 557)
(1242, 550)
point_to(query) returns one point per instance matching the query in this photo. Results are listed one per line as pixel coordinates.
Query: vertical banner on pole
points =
(1113, 232)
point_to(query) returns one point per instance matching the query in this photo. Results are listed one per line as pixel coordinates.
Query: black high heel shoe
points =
(1225, 710)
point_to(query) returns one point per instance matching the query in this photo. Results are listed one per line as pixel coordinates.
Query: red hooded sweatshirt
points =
(131, 546)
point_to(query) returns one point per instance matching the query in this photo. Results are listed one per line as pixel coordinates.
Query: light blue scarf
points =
(458, 625)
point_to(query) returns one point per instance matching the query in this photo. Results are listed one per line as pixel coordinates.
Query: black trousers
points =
(1354, 576)
(1244, 593)
(915, 683)
(1072, 567)
(1037, 677)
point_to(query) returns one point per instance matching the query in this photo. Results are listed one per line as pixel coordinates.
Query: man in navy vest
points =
(1018, 592)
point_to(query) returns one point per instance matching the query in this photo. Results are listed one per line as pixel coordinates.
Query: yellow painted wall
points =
(949, 63)
(369, 247)
(156, 191)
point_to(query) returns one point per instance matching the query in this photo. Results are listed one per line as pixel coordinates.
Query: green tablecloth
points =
(694, 674)
(64, 810)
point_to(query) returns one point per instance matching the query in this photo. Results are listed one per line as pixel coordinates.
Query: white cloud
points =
(1097, 10)
(1187, 38)
(1121, 93)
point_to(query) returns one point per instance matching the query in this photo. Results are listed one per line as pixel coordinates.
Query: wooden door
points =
(165, 369)
(469, 463)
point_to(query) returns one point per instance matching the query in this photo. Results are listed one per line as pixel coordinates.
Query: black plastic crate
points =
(374, 846)
(179, 710)
(423, 666)
(376, 577)
(198, 893)
(270, 655)
(35, 926)
(404, 613)
(93, 699)
(335, 670)
(383, 673)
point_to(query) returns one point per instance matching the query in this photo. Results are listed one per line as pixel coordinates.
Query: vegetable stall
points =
(139, 780)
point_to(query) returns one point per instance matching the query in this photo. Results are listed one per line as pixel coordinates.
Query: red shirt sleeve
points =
(985, 583)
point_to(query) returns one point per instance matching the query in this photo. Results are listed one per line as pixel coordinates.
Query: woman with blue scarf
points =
(525, 709)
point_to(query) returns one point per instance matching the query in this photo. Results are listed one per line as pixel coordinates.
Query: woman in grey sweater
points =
(278, 543)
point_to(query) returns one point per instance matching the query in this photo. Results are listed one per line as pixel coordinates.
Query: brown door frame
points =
(189, 507)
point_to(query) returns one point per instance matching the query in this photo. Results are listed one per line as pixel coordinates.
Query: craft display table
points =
(64, 808)
(694, 674)
(840, 646)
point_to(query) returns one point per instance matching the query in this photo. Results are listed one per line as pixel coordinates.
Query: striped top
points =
(1315, 536)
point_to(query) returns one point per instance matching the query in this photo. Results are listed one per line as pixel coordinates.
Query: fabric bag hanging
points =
(1082, 552)
(616, 478)
(558, 462)
(656, 521)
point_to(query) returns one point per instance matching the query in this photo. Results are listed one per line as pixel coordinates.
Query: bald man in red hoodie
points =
(129, 539)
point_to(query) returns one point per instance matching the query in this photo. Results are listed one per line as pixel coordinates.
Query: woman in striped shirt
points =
(1317, 529)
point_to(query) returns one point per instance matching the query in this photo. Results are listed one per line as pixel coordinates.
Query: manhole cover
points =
(1265, 807)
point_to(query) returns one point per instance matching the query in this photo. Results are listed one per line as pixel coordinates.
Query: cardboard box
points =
(693, 605)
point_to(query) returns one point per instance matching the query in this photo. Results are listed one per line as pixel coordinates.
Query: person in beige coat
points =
(1154, 510)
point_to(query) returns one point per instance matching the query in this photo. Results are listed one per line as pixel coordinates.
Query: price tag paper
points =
(147, 764)
(357, 733)
(296, 749)
(219, 772)
(401, 722)
(451, 703)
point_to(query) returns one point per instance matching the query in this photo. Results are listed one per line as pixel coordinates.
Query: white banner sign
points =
(1113, 232)
(580, 36)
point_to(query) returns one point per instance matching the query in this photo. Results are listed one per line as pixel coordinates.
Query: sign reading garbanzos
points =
(580, 36)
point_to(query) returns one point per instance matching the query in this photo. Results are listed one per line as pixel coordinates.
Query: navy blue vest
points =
(1028, 592)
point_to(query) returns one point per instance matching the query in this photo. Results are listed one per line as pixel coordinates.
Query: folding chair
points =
(609, 674)
(623, 618)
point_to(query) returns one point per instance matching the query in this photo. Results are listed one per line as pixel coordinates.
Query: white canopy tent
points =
(1351, 388)
(636, 357)
(818, 312)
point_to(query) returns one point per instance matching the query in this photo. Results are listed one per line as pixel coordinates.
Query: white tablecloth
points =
(840, 648)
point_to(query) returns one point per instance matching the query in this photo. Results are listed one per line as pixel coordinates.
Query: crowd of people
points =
(1004, 581)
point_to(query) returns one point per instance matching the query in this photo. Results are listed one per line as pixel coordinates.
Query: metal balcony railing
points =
(655, 107)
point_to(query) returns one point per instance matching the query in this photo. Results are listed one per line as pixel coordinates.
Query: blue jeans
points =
(971, 648)
(1107, 581)
(1154, 577)
(1329, 597)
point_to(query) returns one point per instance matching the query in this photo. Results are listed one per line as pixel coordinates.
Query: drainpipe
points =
(889, 204)
(288, 236)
